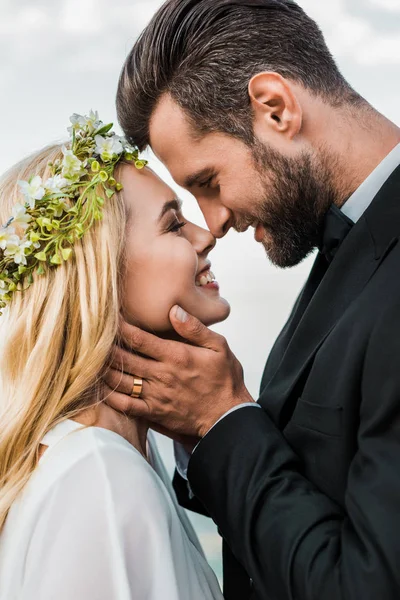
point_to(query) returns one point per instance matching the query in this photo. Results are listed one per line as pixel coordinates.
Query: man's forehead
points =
(169, 127)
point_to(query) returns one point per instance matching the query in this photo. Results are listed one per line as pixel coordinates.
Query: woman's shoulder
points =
(102, 462)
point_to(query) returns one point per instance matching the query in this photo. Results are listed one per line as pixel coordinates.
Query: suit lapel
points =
(359, 256)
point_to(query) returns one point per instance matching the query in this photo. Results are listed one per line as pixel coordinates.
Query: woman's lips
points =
(206, 279)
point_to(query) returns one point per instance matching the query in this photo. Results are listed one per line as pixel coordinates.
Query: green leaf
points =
(21, 269)
(47, 223)
(109, 194)
(66, 253)
(41, 256)
(34, 237)
(104, 129)
(56, 259)
(140, 164)
(40, 270)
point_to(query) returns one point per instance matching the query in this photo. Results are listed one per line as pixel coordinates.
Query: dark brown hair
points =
(204, 52)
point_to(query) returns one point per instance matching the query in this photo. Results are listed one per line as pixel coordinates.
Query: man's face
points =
(284, 197)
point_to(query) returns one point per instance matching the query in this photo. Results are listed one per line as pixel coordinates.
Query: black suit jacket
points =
(306, 492)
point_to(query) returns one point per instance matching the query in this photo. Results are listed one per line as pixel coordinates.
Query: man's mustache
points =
(242, 224)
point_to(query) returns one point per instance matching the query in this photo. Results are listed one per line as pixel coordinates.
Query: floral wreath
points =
(56, 213)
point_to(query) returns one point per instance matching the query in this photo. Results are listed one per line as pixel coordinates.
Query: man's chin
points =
(282, 257)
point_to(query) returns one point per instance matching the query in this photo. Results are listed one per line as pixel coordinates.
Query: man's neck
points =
(363, 149)
(355, 138)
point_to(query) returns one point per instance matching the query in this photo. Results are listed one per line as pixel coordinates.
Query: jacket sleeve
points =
(185, 498)
(295, 542)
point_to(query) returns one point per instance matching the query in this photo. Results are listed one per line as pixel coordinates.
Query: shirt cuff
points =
(182, 456)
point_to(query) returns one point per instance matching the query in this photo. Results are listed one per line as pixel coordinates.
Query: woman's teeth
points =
(205, 279)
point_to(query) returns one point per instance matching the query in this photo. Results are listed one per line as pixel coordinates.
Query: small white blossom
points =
(18, 251)
(63, 205)
(127, 146)
(71, 165)
(3, 288)
(90, 121)
(8, 238)
(55, 184)
(20, 216)
(108, 147)
(32, 190)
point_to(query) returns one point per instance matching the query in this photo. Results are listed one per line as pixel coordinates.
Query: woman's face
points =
(167, 257)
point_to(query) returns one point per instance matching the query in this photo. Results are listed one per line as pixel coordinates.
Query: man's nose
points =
(218, 218)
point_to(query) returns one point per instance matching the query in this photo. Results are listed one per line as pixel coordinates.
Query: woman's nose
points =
(202, 240)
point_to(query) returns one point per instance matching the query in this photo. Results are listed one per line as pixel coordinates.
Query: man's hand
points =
(186, 388)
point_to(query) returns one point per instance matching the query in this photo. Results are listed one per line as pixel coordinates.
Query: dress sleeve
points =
(105, 532)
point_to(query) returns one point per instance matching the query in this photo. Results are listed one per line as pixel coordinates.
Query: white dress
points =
(97, 522)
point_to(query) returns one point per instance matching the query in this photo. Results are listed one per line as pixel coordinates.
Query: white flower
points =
(18, 251)
(3, 288)
(20, 216)
(63, 205)
(90, 121)
(55, 184)
(71, 165)
(32, 190)
(108, 147)
(8, 238)
(127, 146)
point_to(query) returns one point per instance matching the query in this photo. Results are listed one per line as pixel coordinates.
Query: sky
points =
(58, 57)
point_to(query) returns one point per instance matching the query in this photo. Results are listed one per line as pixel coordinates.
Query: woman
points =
(86, 508)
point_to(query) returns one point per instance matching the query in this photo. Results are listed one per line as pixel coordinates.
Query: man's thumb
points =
(190, 328)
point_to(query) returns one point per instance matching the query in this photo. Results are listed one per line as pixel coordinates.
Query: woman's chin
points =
(218, 313)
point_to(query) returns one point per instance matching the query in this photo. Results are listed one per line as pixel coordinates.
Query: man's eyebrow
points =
(174, 204)
(199, 177)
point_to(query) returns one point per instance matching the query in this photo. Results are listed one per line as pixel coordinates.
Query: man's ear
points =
(275, 106)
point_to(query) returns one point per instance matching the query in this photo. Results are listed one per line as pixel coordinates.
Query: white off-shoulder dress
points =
(96, 521)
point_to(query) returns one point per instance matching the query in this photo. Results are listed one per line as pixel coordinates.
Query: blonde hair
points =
(56, 336)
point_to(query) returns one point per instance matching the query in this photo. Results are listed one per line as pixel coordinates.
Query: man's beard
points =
(298, 193)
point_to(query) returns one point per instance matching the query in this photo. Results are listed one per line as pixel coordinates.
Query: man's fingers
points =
(134, 407)
(193, 330)
(119, 381)
(132, 364)
(143, 342)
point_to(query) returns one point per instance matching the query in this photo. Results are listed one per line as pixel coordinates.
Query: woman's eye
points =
(175, 227)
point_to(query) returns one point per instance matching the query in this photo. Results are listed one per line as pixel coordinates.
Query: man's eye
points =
(177, 226)
(206, 184)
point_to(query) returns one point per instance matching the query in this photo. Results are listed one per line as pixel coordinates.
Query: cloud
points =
(389, 5)
(352, 36)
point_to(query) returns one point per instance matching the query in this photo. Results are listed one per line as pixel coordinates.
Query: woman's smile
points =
(166, 257)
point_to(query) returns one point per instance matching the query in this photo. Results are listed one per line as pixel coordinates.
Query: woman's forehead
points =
(144, 191)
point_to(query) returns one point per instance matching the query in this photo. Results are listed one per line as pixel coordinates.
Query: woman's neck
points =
(132, 429)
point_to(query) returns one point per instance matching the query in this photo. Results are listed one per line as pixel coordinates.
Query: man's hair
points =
(203, 53)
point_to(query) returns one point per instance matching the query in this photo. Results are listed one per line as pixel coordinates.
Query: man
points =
(243, 103)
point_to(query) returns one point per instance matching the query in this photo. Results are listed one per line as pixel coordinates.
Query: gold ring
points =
(137, 387)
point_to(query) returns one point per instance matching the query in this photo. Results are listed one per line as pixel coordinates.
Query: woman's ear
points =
(275, 106)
